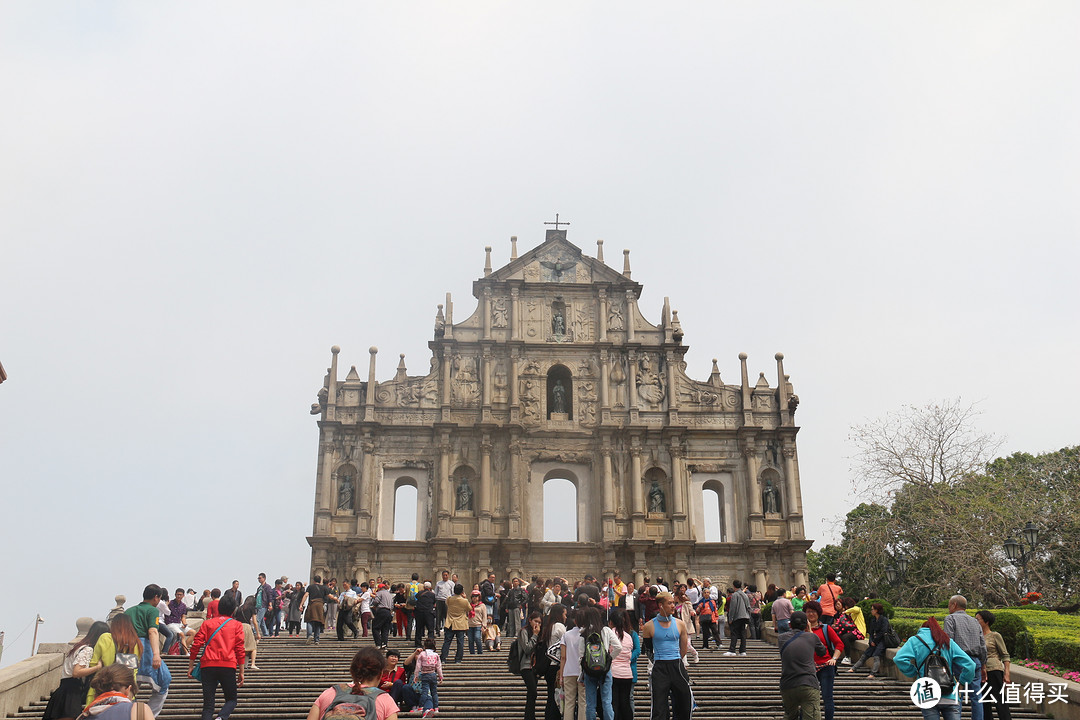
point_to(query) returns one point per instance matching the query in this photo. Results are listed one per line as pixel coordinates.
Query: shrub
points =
(1014, 631)
(905, 628)
(865, 605)
(766, 612)
(1060, 649)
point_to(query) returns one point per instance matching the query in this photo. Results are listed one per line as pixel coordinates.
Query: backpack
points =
(347, 706)
(128, 660)
(935, 666)
(541, 660)
(596, 660)
(410, 594)
(513, 658)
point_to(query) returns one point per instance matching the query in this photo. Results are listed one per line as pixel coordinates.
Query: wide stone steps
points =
(292, 674)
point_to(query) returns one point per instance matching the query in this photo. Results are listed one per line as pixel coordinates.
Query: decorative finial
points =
(513, 247)
(626, 263)
(743, 356)
(779, 356)
(487, 260)
(373, 350)
(600, 250)
(335, 349)
(676, 327)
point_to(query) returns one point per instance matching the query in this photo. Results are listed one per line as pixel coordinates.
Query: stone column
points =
(485, 390)
(609, 482)
(631, 381)
(601, 321)
(485, 476)
(677, 479)
(445, 491)
(515, 314)
(794, 494)
(447, 366)
(750, 453)
(631, 313)
(605, 403)
(672, 388)
(369, 402)
(486, 310)
(636, 498)
(761, 579)
(322, 493)
(515, 490)
(364, 485)
(331, 397)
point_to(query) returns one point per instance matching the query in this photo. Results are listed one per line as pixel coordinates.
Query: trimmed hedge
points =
(889, 611)
(766, 612)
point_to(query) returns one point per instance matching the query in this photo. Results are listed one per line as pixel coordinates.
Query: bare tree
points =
(924, 446)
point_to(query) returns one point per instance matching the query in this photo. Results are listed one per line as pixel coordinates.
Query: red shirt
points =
(832, 644)
(389, 677)
(227, 647)
(211, 609)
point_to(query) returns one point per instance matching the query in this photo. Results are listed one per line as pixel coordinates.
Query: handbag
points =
(890, 639)
(196, 670)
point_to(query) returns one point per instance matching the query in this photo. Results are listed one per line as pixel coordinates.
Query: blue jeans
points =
(782, 626)
(260, 617)
(591, 684)
(429, 691)
(975, 686)
(447, 638)
(476, 641)
(942, 712)
(827, 678)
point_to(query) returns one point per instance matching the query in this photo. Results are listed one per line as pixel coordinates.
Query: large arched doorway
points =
(405, 509)
(560, 510)
(712, 501)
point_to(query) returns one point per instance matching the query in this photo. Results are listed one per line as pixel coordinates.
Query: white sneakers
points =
(730, 654)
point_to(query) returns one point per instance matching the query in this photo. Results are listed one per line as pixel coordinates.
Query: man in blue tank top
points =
(665, 635)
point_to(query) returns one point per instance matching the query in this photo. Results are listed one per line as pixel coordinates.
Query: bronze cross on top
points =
(556, 223)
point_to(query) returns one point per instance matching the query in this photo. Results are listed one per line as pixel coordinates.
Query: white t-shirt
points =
(163, 610)
(571, 640)
(365, 602)
(693, 595)
(189, 600)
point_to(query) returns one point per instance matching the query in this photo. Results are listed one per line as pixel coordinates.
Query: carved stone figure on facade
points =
(498, 313)
(557, 269)
(583, 324)
(500, 383)
(408, 394)
(615, 318)
(793, 403)
(429, 393)
(467, 387)
(657, 503)
(617, 378)
(345, 493)
(650, 385)
(558, 397)
(558, 321)
(530, 403)
(770, 498)
(464, 495)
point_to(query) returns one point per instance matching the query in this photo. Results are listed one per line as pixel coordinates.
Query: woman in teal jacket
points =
(911, 657)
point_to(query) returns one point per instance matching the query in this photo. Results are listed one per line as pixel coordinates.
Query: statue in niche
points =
(464, 495)
(558, 321)
(345, 493)
(650, 385)
(770, 498)
(615, 319)
(498, 313)
(558, 397)
(500, 383)
(657, 504)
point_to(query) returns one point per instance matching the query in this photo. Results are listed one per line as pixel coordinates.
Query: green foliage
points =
(906, 627)
(766, 612)
(1014, 632)
(887, 609)
(1060, 650)
(819, 562)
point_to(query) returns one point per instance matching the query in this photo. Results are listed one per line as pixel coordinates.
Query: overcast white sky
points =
(197, 200)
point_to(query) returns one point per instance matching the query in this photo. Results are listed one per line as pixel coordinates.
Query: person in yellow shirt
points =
(620, 590)
(121, 644)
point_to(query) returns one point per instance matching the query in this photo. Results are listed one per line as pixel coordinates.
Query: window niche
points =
(560, 393)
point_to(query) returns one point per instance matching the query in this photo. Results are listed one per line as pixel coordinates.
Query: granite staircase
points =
(292, 674)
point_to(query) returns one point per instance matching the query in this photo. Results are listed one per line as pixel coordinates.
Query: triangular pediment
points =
(557, 260)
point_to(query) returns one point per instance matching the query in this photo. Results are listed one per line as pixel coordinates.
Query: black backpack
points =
(513, 658)
(935, 666)
(595, 660)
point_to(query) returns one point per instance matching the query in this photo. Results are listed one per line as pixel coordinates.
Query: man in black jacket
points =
(424, 613)
(799, 687)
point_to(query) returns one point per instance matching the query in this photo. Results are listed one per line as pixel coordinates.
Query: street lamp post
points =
(896, 573)
(1020, 551)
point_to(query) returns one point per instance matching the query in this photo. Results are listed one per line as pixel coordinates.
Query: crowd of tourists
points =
(582, 639)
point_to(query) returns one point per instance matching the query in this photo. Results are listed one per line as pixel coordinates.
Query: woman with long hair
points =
(221, 642)
(911, 658)
(684, 610)
(552, 628)
(119, 645)
(825, 666)
(366, 670)
(114, 694)
(295, 615)
(246, 615)
(527, 638)
(67, 700)
(593, 629)
(624, 666)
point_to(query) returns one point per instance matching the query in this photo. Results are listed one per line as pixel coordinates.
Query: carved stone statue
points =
(464, 495)
(498, 313)
(558, 322)
(770, 498)
(650, 385)
(657, 504)
(345, 493)
(615, 319)
(558, 397)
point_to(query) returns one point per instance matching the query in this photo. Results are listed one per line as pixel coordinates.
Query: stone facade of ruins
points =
(558, 374)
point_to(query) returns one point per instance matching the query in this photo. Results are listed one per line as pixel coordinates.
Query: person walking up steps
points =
(666, 636)
(429, 667)
(738, 612)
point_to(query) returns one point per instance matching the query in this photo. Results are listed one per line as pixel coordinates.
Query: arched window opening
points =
(560, 511)
(714, 518)
(405, 511)
(560, 393)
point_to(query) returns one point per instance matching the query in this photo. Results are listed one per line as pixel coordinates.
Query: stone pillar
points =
(601, 320)
(486, 311)
(677, 479)
(748, 411)
(636, 497)
(631, 382)
(447, 367)
(445, 488)
(605, 392)
(761, 580)
(631, 314)
(331, 398)
(515, 313)
(515, 407)
(485, 476)
(672, 388)
(781, 392)
(366, 482)
(609, 482)
(757, 527)
(485, 389)
(369, 402)
(515, 490)
(322, 493)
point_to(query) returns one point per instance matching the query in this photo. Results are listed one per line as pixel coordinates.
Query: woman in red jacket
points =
(221, 640)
